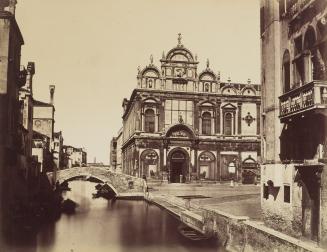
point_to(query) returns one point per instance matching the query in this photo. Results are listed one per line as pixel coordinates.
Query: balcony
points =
(295, 7)
(310, 96)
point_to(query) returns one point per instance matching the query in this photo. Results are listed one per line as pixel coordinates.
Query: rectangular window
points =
(175, 104)
(182, 105)
(287, 194)
(206, 127)
(189, 117)
(176, 109)
(174, 116)
(189, 105)
(168, 105)
(168, 117)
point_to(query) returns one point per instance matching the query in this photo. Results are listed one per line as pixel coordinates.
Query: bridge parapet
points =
(120, 183)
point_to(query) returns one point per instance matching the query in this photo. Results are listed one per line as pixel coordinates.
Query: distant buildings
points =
(73, 156)
(43, 126)
(294, 117)
(29, 148)
(58, 154)
(181, 125)
(115, 151)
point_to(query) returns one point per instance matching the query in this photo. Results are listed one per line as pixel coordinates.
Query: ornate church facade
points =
(179, 125)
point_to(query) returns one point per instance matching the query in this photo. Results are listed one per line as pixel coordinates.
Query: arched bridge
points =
(120, 183)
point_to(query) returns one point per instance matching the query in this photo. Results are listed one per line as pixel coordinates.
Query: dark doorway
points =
(178, 167)
(310, 203)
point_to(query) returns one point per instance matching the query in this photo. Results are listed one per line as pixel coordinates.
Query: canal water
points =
(111, 226)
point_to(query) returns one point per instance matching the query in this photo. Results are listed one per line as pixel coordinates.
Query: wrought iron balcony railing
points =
(309, 96)
(294, 7)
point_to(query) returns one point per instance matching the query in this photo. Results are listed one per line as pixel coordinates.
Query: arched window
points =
(310, 57)
(206, 123)
(228, 124)
(149, 121)
(286, 71)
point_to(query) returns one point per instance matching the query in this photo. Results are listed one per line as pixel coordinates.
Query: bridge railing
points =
(120, 182)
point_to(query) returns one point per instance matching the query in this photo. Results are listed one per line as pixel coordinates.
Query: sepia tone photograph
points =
(163, 125)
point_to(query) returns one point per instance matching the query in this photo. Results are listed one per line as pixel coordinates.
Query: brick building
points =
(180, 124)
(294, 103)
(58, 156)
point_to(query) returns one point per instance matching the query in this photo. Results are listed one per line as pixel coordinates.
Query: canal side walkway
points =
(232, 213)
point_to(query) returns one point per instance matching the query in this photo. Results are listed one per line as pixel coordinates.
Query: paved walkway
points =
(240, 200)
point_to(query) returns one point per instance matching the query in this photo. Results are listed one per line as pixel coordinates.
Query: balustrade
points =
(305, 97)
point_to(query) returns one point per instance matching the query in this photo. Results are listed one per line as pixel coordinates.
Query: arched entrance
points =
(207, 165)
(149, 163)
(178, 166)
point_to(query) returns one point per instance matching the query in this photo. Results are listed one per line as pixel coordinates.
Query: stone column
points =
(239, 118)
(218, 165)
(258, 118)
(161, 156)
(217, 125)
(161, 118)
(234, 123)
(142, 120)
(196, 116)
(157, 121)
(239, 168)
(195, 167)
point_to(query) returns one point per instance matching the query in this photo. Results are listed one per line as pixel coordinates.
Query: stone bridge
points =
(120, 183)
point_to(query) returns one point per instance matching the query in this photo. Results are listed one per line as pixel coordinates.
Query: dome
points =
(179, 53)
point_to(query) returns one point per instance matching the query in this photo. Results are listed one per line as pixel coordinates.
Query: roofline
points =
(135, 90)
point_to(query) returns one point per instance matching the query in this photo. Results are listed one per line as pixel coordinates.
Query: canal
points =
(102, 225)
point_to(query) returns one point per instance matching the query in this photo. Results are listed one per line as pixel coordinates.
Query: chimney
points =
(52, 90)
(30, 74)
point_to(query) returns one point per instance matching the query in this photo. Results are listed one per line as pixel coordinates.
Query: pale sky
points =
(91, 50)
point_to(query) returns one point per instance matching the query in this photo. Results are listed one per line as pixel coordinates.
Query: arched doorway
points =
(249, 171)
(149, 163)
(207, 165)
(178, 166)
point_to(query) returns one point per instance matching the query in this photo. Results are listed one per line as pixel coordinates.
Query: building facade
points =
(115, 157)
(58, 142)
(43, 125)
(113, 153)
(294, 103)
(73, 156)
(179, 125)
(11, 131)
(119, 140)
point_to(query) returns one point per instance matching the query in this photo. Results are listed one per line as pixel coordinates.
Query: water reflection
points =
(101, 225)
